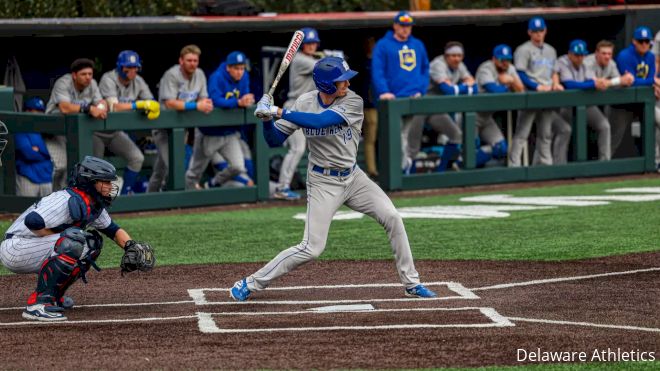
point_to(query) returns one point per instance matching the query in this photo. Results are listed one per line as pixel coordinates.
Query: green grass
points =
(256, 235)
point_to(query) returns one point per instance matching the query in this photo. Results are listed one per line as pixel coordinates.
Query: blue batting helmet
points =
(329, 70)
(34, 103)
(311, 35)
(127, 58)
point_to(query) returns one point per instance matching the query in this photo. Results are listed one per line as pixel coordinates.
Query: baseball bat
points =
(294, 44)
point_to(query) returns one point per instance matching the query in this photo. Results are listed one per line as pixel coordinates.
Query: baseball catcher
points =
(58, 238)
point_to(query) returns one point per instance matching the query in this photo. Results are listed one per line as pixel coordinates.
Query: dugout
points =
(44, 48)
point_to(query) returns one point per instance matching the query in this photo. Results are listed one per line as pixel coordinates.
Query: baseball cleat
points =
(240, 291)
(44, 313)
(420, 291)
(65, 302)
(286, 194)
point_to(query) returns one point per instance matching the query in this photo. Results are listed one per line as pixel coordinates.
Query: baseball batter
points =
(49, 238)
(331, 119)
(182, 88)
(125, 90)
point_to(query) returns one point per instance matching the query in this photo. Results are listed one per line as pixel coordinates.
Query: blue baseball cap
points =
(311, 35)
(642, 33)
(236, 57)
(404, 18)
(536, 24)
(503, 52)
(578, 47)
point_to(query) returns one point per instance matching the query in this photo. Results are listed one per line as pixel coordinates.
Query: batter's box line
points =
(199, 296)
(209, 326)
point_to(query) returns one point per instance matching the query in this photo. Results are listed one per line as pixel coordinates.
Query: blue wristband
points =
(134, 106)
(190, 106)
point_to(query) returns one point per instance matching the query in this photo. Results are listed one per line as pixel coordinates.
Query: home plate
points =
(343, 308)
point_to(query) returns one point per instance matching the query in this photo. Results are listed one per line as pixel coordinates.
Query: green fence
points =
(389, 138)
(79, 128)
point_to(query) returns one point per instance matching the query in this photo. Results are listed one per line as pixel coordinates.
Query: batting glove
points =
(265, 110)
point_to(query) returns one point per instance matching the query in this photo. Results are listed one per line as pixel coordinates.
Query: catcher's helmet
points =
(3, 142)
(311, 35)
(34, 103)
(91, 169)
(127, 58)
(329, 70)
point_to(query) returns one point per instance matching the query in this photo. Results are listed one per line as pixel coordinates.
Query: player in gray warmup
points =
(535, 61)
(182, 88)
(125, 90)
(496, 75)
(73, 93)
(331, 119)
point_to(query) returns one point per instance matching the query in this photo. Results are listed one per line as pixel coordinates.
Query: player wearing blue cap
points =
(400, 69)
(34, 167)
(638, 60)
(125, 90)
(497, 75)
(574, 74)
(229, 87)
(534, 60)
(331, 119)
(300, 82)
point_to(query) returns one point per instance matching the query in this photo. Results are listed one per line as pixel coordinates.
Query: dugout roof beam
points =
(53, 27)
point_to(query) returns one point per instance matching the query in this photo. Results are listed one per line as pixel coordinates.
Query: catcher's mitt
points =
(137, 256)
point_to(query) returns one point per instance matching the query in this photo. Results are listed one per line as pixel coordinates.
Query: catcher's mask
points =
(87, 172)
(3, 141)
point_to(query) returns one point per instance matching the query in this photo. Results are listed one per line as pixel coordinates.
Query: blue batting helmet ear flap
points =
(329, 70)
(127, 58)
(35, 103)
(311, 35)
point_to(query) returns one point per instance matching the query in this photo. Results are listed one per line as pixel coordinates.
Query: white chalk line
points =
(586, 324)
(562, 279)
(99, 321)
(119, 304)
(199, 295)
(208, 325)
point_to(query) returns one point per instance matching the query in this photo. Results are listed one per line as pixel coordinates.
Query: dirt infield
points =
(179, 317)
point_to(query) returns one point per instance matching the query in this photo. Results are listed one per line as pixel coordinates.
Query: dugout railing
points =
(389, 138)
(79, 128)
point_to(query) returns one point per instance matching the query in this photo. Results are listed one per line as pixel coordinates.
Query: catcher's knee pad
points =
(71, 243)
(60, 270)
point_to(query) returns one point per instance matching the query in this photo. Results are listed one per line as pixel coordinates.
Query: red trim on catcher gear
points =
(32, 300)
(65, 285)
(67, 259)
(86, 199)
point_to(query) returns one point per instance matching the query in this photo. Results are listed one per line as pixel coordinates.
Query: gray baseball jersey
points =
(65, 91)
(111, 87)
(568, 72)
(607, 72)
(173, 85)
(440, 71)
(334, 147)
(25, 251)
(487, 73)
(537, 63)
(300, 76)
(656, 45)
